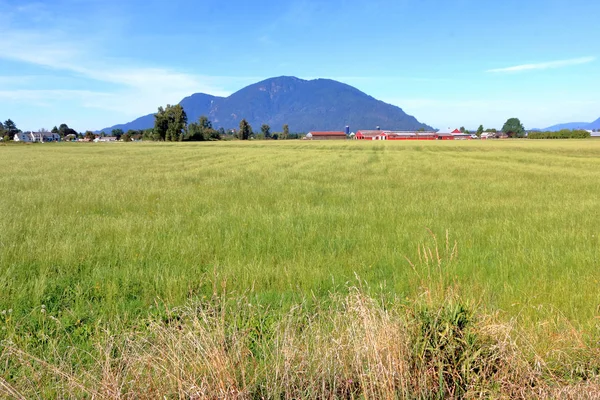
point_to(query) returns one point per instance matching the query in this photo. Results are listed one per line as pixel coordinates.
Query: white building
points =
(40, 137)
(23, 137)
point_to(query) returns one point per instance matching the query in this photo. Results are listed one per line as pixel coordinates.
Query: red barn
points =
(329, 135)
(371, 135)
(395, 135)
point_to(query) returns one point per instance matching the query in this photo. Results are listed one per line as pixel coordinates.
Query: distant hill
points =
(305, 105)
(574, 125)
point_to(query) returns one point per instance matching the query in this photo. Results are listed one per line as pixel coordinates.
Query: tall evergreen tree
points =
(266, 131)
(245, 130)
(286, 131)
(10, 128)
(479, 130)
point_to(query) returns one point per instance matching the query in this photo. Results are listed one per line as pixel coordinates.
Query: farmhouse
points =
(50, 137)
(326, 135)
(23, 137)
(39, 137)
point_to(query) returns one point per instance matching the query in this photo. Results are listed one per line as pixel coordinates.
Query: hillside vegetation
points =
(300, 269)
(305, 105)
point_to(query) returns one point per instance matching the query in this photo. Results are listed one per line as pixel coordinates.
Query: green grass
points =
(101, 233)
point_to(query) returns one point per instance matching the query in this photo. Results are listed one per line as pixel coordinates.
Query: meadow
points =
(102, 240)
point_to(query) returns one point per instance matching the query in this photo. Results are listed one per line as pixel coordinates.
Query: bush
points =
(562, 134)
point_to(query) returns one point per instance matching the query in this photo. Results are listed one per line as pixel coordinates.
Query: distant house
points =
(23, 137)
(326, 135)
(39, 137)
(106, 139)
(50, 137)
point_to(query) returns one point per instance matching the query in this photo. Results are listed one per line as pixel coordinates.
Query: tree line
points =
(171, 125)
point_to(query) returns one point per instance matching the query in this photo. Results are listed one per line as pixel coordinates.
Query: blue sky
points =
(95, 63)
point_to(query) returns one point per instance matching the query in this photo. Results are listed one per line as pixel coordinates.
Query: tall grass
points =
(96, 241)
(350, 346)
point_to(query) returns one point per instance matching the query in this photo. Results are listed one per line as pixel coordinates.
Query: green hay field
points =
(98, 235)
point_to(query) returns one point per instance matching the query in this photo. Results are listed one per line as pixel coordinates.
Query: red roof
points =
(332, 133)
(456, 131)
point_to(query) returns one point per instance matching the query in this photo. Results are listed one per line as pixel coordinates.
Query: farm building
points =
(328, 135)
(410, 135)
(449, 134)
(395, 135)
(370, 135)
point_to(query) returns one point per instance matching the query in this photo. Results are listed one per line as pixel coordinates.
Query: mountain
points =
(574, 125)
(305, 105)
(568, 125)
(594, 125)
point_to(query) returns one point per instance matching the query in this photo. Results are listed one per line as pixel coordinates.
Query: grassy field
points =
(102, 236)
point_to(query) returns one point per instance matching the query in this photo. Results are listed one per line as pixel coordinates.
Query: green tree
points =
(286, 132)
(204, 122)
(462, 129)
(514, 128)
(117, 133)
(195, 132)
(245, 130)
(202, 130)
(266, 131)
(170, 123)
(10, 128)
(64, 130)
(89, 135)
(2, 130)
(54, 130)
(479, 130)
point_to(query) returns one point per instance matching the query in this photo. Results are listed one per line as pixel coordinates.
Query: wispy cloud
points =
(545, 65)
(128, 88)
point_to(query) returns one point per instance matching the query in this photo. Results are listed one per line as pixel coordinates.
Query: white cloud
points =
(545, 65)
(132, 90)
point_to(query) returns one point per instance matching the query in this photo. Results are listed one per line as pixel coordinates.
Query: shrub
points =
(562, 134)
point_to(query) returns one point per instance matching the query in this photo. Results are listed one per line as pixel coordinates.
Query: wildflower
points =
(3, 312)
(10, 310)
